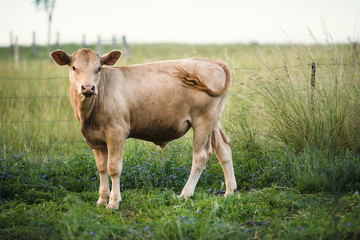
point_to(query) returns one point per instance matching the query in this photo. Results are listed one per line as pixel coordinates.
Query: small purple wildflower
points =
(145, 228)
(196, 211)
(92, 233)
(246, 230)
(349, 224)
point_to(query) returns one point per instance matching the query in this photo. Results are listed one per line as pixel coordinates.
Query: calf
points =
(156, 102)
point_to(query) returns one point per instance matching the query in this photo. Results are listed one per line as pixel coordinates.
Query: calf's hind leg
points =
(101, 158)
(221, 145)
(201, 153)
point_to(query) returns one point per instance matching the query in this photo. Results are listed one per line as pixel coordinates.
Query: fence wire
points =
(35, 97)
(297, 66)
(66, 97)
(39, 121)
(33, 78)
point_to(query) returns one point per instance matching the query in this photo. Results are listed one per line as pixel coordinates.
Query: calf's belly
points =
(160, 133)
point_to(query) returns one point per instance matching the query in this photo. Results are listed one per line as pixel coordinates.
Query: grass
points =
(297, 163)
(56, 200)
(318, 117)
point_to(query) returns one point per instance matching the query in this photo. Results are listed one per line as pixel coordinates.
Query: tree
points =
(49, 6)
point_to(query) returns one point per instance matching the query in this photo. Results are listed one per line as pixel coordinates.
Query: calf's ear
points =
(110, 58)
(60, 57)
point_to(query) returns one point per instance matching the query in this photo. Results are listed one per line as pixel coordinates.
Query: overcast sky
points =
(184, 21)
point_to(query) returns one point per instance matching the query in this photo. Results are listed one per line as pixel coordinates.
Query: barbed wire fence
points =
(313, 66)
(114, 42)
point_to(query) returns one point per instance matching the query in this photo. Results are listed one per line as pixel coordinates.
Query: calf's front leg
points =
(114, 165)
(101, 158)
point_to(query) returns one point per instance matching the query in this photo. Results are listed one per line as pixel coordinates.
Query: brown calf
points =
(156, 102)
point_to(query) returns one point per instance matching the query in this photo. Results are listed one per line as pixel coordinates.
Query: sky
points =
(184, 21)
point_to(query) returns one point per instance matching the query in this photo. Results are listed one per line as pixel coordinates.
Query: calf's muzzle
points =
(88, 89)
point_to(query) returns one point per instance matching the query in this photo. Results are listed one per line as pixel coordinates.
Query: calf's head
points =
(85, 68)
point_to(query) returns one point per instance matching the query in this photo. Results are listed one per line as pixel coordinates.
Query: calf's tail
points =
(193, 80)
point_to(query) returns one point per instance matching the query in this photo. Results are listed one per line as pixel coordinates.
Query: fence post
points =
(11, 42)
(313, 76)
(127, 49)
(99, 47)
(84, 41)
(16, 53)
(355, 44)
(34, 48)
(114, 42)
(58, 46)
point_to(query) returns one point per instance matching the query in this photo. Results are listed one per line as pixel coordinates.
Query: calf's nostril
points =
(93, 88)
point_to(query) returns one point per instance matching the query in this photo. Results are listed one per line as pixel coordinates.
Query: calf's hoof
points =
(230, 193)
(184, 195)
(112, 206)
(101, 202)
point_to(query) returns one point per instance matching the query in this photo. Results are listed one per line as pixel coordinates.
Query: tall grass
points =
(296, 114)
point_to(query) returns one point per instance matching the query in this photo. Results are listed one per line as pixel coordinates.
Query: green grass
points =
(56, 200)
(297, 164)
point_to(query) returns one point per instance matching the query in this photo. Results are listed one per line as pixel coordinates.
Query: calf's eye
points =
(98, 70)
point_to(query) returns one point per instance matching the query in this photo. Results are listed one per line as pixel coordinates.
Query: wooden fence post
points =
(127, 49)
(99, 47)
(84, 41)
(58, 46)
(313, 77)
(16, 53)
(355, 44)
(11, 42)
(34, 48)
(114, 45)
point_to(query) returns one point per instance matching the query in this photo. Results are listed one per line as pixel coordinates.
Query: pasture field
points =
(296, 152)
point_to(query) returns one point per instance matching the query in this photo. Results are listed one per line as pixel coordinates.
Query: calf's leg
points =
(114, 165)
(101, 158)
(201, 153)
(221, 145)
